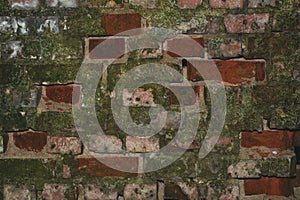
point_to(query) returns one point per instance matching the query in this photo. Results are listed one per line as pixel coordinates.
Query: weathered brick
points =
(109, 48)
(117, 23)
(258, 3)
(251, 23)
(231, 4)
(93, 192)
(66, 171)
(1, 144)
(54, 191)
(62, 3)
(141, 144)
(296, 139)
(64, 145)
(94, 167)
(173, 191)
(233, 72)
(198, 25)
(58, 97)
(30, 140)
(190, 190)
(185, 47)
(105, 144)
(190, 4)
(144, 3)
(231, 48)
(137, 191)
(138, 97)
(25, 4)
(278, 139)
(268, 185)
(11, 192)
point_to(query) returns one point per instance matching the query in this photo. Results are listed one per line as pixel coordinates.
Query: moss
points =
(55, 123)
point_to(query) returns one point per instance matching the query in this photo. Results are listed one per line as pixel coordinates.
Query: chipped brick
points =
(105, 143)
(62, 3)
(251, 23)
(64, 145)
(25, 4)
(138, 97)
(261, 3)
(54, 191)
(141, 144)
(137, 191)
(231, 4)
(93, 192)
(190, 4)
(11, 192)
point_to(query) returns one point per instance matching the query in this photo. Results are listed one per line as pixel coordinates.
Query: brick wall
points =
(255, 46)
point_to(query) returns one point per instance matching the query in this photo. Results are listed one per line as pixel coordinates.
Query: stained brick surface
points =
(30, 140)
(117, 23)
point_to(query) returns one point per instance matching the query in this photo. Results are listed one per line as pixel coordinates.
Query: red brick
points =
(185, 47)
(174, 192)
(226, 4)
(63, 93)
(117, 23)
(251, 23)
(64, 145)
(231, 49)
(94, 167)
(66, 173)
(296, 139)
(30, 140)
(110, 48)
(269, 186)
(233, 72)
(278, 139)
(190, 4)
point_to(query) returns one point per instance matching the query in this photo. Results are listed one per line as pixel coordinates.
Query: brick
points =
(200, 25)
(93, 167)
(109, 48)
(173, 191)
(58, 97)
(66, 171)
(1, 144)
(93, 192)
(24, 4)
(143, 3)
(269, 186)
(54, 191)
(117, 23)
(185, 47)
(245, 169)
(296, 139)
(190, 4)
(233, 72)
(141, 144)
(261, 3)
(105, 144)
(231, 48)
(251, 23)
(190, 190)
(11, 192)
(62, 3)
(231, 4)
(232, 192)
(30, 140)
(64, 145)
(278, 139)
(138, 191)
(138, 97)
